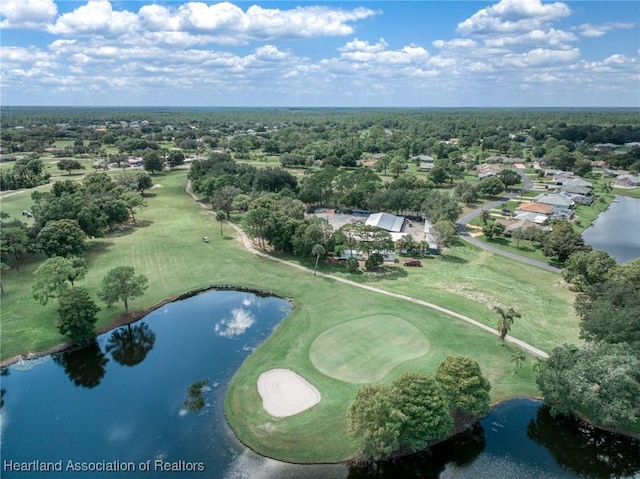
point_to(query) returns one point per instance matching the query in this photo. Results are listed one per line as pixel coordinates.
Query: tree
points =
(584, 269)
(62, 238)
(77, 314)
(375, 419)
(493, 229)
(443, 231)
(582, 167)
(317, 251)
(374, 261)
(221, 217)
(465, 386)
(132, 200)
(175, 158)
(491, 186)
(405, 415)
(143, 181)
(55, 275)
(484, 216)
(152, 162)
(222, 199)
(506, 320)
(518, 358)
(563, 241)
(424, 408)
(601, 381)
(465, 192)
(610, 312)
(14, 241)
(509, 177)
(439, 205)
(255, 223)
(122, 284)
(69, 165)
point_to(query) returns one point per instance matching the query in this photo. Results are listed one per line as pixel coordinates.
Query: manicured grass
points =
(383, 343)
(472, 281)
(166, 246)
(320, 433)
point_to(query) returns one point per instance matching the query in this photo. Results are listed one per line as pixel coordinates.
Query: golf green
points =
(365, 350)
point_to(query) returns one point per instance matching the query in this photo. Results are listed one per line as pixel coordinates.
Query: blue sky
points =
(506, 53)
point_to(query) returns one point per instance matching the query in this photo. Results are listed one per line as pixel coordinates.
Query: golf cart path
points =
(249, 246)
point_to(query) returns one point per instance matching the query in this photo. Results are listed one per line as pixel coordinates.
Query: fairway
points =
(365, 350)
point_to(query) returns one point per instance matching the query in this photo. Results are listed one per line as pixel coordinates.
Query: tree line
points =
(600, 379)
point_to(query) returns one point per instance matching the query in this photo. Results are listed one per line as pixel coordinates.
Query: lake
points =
(117, 406)
(617, 229)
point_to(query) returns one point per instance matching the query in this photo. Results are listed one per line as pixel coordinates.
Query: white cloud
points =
(588, 30)
(96, 17)
(551, 37)
(195, 23)
(541, 56)
(512, 16)
(240, 321)
(30, 14)
(362, 51)
(363, 46)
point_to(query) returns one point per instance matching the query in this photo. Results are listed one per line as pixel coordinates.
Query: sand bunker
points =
(284, 393)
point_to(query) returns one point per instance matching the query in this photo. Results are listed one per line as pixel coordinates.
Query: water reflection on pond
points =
(122, 399)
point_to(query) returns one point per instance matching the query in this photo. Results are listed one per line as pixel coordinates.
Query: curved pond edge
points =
(129, 318)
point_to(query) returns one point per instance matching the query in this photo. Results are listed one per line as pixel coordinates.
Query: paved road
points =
(464, 234)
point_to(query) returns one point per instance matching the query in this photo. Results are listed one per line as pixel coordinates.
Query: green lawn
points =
(166, 246)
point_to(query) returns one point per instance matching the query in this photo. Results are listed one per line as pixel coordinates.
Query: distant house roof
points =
(386, 221)
(554, 200)
(529, 216)
(627, 180)
(578, 190)
(537, 208)
(576, 182)
(521, 224)
(424, 158)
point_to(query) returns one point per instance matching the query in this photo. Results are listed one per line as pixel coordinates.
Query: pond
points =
(115, 407)
(617, 229)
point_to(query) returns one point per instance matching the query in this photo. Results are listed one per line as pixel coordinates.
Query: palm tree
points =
(317, 251)
(484, 216)
(518, 358)
(506, 321)
(220, 217)
(538, 365)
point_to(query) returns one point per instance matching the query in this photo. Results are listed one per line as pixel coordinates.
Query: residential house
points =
(627, 181)
(576, 190)
(536, 208)
(521, 225)
(558, 200)
(426, 162)
(576, 182)
(484, 170)
(533, 217)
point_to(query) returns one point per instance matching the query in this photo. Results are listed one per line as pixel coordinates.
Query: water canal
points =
(119, 403)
